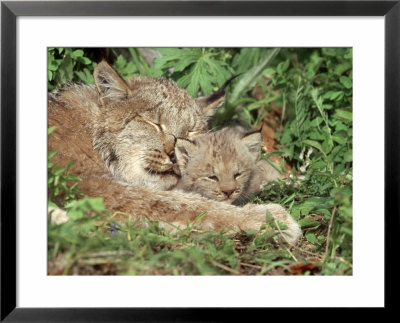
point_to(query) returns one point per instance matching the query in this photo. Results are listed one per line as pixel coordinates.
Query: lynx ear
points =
(183, 149)
(210, 103)
(253, 142)
(110, 86)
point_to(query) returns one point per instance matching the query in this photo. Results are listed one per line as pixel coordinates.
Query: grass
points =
(304, 97)
(99, 245)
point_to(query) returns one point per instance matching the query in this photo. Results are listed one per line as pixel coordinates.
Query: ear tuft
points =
(210, 103)
(253, 142)
(110, 86)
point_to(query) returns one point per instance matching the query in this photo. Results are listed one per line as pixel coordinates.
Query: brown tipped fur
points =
(121, 134)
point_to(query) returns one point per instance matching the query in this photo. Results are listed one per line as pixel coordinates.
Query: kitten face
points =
(137, 124)
(218, 165)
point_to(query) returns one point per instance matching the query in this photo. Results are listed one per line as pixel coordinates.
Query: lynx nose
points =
(172, 157)
(228, 193)
(169, 148)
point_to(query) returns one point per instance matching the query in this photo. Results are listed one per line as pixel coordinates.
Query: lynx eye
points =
(193, 133)
(237, 175)
(155, 125)
(214, 178)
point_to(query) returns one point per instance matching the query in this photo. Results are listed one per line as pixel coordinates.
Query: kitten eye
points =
(214, 178)
(237, 175)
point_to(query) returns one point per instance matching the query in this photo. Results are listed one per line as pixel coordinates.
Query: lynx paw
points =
(57, 216)
(259, 216)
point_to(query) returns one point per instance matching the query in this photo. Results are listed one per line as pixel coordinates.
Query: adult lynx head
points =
(219, 165)
(137, 123)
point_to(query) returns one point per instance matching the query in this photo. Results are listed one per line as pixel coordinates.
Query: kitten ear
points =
(183, 148)
(110, 86)
(253, 142)
(210, 103)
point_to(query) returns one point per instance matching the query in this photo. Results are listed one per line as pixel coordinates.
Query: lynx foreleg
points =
(181, 208)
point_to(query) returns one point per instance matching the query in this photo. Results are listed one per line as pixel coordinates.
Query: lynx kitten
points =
(223, 165)
(121, 135)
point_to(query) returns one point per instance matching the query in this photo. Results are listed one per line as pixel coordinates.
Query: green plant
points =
(59, 179)
(68, 64)
(311, 88)
(194, 69)
(317, 140)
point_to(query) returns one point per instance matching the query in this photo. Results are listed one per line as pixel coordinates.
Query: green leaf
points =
(344, 115)
(85, 60)
(282, 67)
(65, 71)
(200, 217)
(346, 230)
(52, 153)
(338, 192)
(52, 64)
(58, 170)
(119, 63)
(75, 214)
(311, 237)
(77, 53)
(193, 68)
(269, 71)
(339, 140)
(338, 95)
(346, 81)
(85, 76)
(281, 225)
(314, 144)
(243, 61)
(349, 54)
(178, 58)
(52, 204)
(191, 80)
(251, 232)
(348, 156)
(51, 129)
(308, 223)
(96, 204)
(327, 146)
(343, 67)
(253, 74)
(186, 58)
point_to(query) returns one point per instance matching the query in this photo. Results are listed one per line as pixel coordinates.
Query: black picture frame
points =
(10, 10)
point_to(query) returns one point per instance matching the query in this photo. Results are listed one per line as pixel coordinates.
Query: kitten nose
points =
(228, 193)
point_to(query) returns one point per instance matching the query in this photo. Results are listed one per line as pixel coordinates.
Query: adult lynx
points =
(121, 136)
